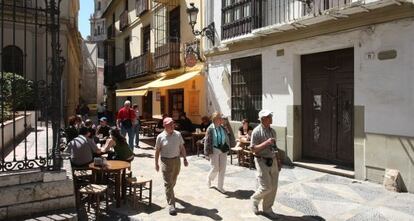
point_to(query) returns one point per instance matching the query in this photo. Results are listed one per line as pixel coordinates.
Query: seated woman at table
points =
(160, 126)
(244, 133)
(205, 122)
(72, 130)
(121, 148)
(102, 130)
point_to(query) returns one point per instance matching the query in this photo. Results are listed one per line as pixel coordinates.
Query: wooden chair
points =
(82, 176)
(247, 158)
(94, 193)
(137, 186)
(237, 151)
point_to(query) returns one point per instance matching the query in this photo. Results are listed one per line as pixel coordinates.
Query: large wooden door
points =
(328, 106)
(175, 101)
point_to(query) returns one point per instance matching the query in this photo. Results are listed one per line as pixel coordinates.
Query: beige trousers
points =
(170, 170)
(218, 162)
(267, 179)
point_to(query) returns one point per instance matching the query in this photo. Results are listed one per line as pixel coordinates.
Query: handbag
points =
(224, 147)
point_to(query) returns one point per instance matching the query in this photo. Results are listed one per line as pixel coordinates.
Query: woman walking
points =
(216, 146)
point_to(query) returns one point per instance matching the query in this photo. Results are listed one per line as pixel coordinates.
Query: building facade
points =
(334, 73)
(25, 47)
(145, 50)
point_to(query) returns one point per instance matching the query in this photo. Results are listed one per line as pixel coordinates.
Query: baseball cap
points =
(167, 120)
(265, 113)
(103, 119)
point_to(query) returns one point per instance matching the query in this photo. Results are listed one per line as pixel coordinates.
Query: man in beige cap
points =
(170, 146)
(268, 164)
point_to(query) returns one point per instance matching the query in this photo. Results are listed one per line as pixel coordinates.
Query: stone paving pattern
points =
(302, 195)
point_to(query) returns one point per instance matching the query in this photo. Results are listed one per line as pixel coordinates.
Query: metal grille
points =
(246, 88)
(30, 84)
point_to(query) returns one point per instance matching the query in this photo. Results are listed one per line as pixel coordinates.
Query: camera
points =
(274, 146)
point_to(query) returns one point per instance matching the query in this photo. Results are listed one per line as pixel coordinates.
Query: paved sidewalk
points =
(302, 195)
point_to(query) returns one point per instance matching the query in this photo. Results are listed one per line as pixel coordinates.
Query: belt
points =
(169, 158)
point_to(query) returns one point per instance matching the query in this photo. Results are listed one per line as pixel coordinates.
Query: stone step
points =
(14, 178)
(31, 209)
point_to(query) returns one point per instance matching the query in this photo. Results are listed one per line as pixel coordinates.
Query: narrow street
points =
(302, 195)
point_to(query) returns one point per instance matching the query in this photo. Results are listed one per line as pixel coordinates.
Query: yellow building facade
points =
(146, 49)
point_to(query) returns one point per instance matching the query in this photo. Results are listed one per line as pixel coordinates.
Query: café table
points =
(117, 168)
(195, 136)
(151, 125)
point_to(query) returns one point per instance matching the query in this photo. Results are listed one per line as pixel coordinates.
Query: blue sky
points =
(86, 9)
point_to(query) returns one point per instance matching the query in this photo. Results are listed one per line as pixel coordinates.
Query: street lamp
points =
(207, 31)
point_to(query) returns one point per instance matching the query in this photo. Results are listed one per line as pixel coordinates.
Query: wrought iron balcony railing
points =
(123, 20)
(243, 16)
(141, 6)
(167, 56)
(139, 66)
(114, 74)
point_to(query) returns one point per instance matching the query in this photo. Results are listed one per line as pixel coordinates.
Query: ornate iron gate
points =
(31, 69)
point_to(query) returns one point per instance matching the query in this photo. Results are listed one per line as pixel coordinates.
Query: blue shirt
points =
(219, 136)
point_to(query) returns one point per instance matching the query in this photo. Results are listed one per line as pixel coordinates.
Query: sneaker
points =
(255, 208)
(270, 214)
(172, 211)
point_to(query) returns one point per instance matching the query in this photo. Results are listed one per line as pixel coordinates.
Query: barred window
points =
(12, 59)
(246, 88)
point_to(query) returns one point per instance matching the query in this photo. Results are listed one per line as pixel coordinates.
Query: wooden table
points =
(118, 168)
(151, 124)
(195, 137)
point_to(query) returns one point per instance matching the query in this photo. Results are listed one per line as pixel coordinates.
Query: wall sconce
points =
(207, 31)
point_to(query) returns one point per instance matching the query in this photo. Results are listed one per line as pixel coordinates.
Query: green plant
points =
(17, 92)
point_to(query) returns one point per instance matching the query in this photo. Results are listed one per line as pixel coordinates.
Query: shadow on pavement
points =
(297, 218)
(117, 214)
(198, 211)
(240, 194)
(147, 155)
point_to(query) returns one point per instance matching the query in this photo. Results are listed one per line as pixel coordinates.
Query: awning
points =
(169, 81)
(130, 92)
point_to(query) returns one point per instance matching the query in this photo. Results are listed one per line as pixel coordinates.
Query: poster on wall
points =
(194, 105)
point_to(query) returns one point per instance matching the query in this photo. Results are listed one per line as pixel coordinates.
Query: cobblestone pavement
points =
(302, 195)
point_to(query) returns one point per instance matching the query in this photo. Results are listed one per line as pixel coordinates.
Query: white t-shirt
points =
(169, 144)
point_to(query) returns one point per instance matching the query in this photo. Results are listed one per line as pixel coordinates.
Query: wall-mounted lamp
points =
(207, 31)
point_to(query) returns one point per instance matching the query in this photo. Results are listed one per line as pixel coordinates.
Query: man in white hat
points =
(268, 164)
(170, 146)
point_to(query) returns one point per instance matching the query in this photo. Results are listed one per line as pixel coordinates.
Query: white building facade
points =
(338, 78)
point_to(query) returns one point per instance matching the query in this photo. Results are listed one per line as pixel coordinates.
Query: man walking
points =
(268, 164)
(170, 146)
(125, 120)
(137, 125)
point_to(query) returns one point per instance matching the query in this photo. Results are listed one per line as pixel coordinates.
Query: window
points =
(12, 60)
(99, 6)
(236, 17)
(127, 51)
(146, 43)
(141, 7)
(246, 88)
(126, 5)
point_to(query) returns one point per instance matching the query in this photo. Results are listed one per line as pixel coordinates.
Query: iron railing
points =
(167, 56)
(139, 66)
(141, 6)
(123, 20)
(241, 17)
(33, 27)
(110, 32)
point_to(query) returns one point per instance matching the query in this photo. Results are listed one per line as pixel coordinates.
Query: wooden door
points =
(175, 101)
(328, 104)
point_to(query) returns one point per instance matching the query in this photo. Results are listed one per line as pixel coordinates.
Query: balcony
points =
(141, 7)
(167, 56)
(110, 33)
(114, 74)
(123, 20)
(247, 15)
(139, 66)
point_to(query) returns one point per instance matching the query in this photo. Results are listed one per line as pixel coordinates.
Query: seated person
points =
(71, 131)
(244, 132)
(121, 148)
(160, 126)
(102, 131)
(81, 149)
(205, 122)
(186, 126)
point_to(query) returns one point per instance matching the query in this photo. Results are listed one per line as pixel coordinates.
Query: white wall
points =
(385, 88)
